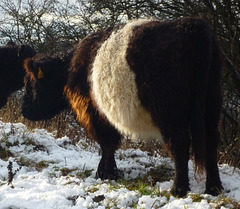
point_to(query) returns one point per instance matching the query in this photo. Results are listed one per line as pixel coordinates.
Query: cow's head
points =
(44, 83)
(11, 71)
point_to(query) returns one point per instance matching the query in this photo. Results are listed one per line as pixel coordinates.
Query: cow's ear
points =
(24, 50)
(11, 43)
(31, 69)
(21, 50)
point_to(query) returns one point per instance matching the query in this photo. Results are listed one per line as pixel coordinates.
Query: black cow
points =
(146, 79)
(11, 68)
(45, 77)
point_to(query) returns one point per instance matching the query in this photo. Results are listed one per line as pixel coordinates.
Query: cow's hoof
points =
(214, 190)
(179, 191)
(104, 173)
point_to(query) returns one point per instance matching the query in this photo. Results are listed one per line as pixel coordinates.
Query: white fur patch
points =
(114, 88)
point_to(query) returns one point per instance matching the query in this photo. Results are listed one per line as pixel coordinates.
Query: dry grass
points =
(61, 125)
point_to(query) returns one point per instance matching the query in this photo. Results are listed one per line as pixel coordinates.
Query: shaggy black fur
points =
(177, 66)
(11, 68)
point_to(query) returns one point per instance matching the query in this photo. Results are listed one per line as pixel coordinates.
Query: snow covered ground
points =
(52, 173)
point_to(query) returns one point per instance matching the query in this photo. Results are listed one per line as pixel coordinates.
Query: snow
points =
(47, 186)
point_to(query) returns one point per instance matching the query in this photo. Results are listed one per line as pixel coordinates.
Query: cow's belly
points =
(115, 91)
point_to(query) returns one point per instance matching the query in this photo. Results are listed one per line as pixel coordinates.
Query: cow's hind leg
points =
(179, 148)
(213, 110)
(109, 140)
(213, 183)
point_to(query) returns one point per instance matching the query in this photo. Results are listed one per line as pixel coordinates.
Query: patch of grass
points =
(70, 172)
(84, 174)
(92, 189)
(142, 186)
(5, 153)
(39, 166)
(158, 174)
(56, 168)
(31, 142)
(26, 162)
(135, 205)
(224, 201)
(131, 185)
(145, 189)
(161, 173)
(166, 194)
(196, 197)
(66, 171)
(218, 202)
(74, 172)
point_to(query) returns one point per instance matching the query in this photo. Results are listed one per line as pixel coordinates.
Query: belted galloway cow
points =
(144, 79)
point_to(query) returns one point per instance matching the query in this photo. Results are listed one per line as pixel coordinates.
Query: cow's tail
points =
(198, 134)
(203, 43)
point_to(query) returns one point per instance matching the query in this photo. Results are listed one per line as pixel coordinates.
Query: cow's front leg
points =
(107, 168)
(109, 139)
